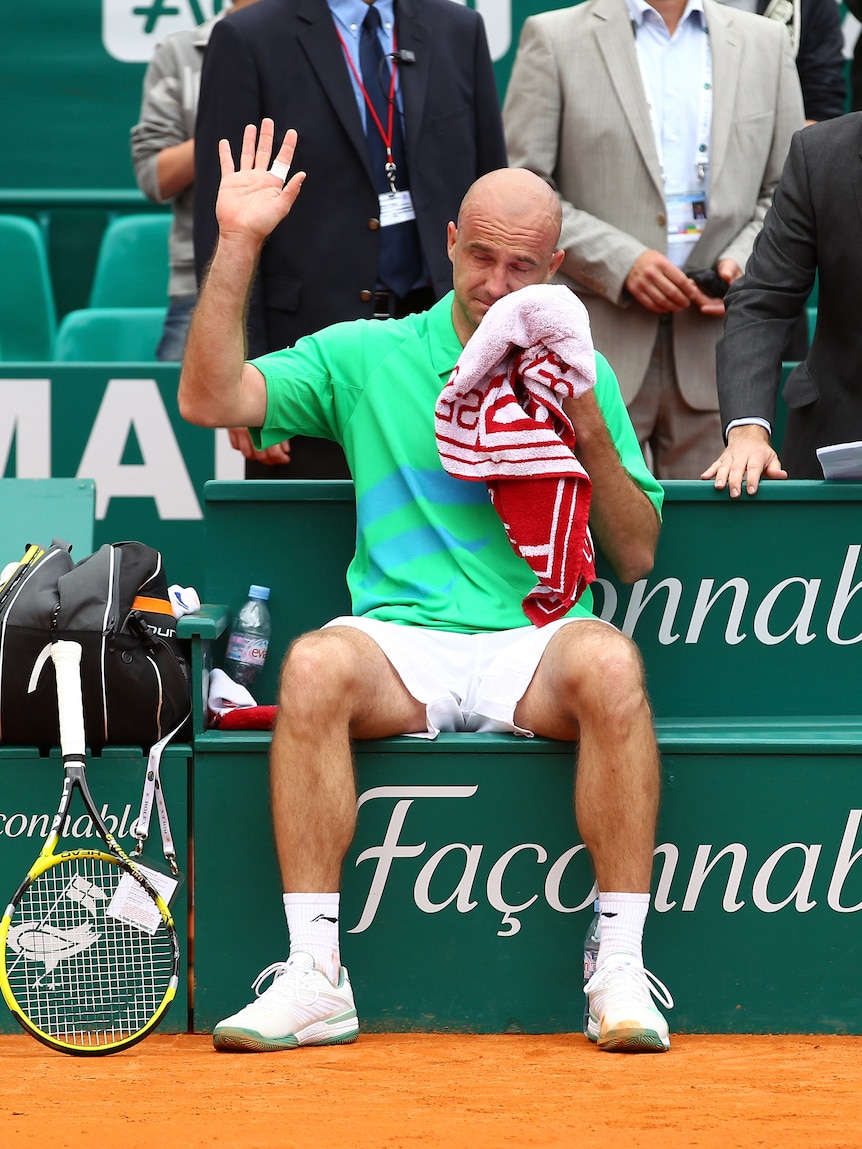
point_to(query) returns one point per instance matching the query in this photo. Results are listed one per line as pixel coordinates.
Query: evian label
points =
(730, 874)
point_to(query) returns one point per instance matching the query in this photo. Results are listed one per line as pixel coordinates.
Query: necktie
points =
(400, 261)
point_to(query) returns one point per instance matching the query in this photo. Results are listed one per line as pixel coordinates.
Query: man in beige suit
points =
(664, 127)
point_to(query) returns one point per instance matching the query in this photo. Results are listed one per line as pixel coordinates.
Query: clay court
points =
(389, 1092)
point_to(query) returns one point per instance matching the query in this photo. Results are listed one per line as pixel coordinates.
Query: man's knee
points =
(605, 671)
(320, 668)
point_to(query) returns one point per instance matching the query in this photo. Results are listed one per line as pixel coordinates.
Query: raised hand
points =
(254, 199)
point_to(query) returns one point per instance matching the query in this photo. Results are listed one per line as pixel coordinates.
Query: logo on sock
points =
(324, 918)
(605, 914)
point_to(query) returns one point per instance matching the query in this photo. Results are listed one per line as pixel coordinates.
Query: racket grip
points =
(70, 701)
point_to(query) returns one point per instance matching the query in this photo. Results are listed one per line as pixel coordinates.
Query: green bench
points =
(467, 890)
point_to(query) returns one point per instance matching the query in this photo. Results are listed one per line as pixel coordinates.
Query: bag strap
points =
(153, 789)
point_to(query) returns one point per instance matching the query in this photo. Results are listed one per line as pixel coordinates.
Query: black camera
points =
(710, 282)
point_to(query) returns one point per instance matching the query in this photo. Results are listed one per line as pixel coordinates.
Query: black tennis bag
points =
(134, 669)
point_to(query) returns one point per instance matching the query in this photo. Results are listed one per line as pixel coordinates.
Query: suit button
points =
(366, 295)
(374, 225)
(661, 219)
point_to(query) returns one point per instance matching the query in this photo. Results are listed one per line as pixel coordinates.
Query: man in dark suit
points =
(815, 32)
(298, 62)
(813, 226)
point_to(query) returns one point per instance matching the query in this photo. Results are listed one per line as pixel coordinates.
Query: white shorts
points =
(468, 682)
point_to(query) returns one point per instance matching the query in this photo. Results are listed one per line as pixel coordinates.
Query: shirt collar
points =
(351, 13)
(638, 8)
(443, 341)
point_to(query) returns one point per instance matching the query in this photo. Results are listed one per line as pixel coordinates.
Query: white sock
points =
(623, 917)
(312, 925)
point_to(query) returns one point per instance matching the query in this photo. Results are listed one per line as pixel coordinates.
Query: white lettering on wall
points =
(390, 849)
(461, 893)
(800, 892)
(25, 420)
(639, 599)
(706, 600)
(511, 925)
(555, 877)
(800, 625)
(730, 902)
(136, 404)
(843, 595)
(844, 863)
(702, 883)
(734, 595)
(670, 853)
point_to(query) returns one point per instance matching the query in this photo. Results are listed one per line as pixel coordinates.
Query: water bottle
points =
(249, 638)
(591, 955)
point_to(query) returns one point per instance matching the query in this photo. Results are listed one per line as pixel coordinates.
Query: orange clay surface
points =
(437, 1090)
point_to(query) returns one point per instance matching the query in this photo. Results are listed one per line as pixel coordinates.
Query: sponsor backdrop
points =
(71, 95)
(71, 73)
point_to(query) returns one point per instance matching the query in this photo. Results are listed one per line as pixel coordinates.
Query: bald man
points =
(435, 625)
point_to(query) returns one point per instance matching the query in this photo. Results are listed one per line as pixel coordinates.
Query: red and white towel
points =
(500, 419)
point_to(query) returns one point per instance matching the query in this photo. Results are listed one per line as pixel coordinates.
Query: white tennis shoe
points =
(301, 1006)
(623, 1018)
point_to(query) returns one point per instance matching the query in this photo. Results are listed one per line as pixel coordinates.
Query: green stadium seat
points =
(109, 335)
(132, 265)
(28, 317)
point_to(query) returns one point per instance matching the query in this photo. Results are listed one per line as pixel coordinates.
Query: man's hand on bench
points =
(748, 456)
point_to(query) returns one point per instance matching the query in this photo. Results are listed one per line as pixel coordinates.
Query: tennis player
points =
(438, 638)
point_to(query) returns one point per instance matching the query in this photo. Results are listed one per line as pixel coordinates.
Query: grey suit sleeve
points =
(599, 255)
(789, 117)
(763, 305)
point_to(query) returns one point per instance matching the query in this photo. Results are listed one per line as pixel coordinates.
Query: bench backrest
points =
(754, 607)
(37, 510)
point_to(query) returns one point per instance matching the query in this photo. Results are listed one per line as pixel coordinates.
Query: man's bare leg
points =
(589, 686)
(336, 684)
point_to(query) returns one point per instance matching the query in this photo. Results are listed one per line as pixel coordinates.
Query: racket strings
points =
(78, 972)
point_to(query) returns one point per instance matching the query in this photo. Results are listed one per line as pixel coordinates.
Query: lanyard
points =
(153, 789)
(385, 135)
(701, 157)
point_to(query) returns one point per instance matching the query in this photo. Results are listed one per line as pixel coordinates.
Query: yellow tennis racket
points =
(89, 956)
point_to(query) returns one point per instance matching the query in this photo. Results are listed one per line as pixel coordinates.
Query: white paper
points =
(132, 905)
(841, 460)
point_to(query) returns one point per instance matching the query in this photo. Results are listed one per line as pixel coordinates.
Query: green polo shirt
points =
(431, 550)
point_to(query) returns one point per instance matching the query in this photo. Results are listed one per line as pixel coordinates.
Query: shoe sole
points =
(632, 1041)
(338, 1031)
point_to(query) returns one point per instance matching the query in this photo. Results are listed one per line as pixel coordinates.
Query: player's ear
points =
(451, 240)
(556, 260)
